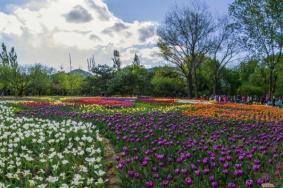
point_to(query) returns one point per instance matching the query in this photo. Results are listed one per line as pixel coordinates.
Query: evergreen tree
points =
(4, 57)
(136, 61)
(13, 58)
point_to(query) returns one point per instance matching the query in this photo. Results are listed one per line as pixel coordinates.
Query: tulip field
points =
(42, 152)
(59, 142)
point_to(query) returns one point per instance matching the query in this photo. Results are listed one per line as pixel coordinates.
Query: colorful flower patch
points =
(159, 101)
(173, 150)
(239, 112)
(200, 145)
(138, 108)
(46, 153)
(39, 104)
(102, 101)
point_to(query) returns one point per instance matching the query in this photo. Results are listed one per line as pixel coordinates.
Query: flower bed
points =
(138, 108)
(46, 153)
(156, 150)
(39, 104)
(238, 112)
(158, 101)
(173, 150)
(103, 101)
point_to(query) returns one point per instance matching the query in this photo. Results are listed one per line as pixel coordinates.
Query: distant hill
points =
(151, 69)
(85, 74)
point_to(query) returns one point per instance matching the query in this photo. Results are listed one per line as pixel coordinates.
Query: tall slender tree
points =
(136, 61)
(116, 60)
(4, 57)
(224, 50)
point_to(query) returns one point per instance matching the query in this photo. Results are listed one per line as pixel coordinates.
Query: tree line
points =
(199, 46)
(248, 78)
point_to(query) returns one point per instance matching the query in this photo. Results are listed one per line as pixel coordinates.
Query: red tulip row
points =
(158, 101)
(102, 101)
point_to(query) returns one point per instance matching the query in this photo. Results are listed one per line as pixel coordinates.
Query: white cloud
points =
(46, 31)
(10, 25)
(149, 56)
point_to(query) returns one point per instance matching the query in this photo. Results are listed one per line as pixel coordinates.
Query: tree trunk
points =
(195, 82)
(270, 82)
(274, 83)
(190, 84)
(215, 77)
(215, 83)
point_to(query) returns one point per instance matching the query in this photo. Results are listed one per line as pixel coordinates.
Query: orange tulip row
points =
(234, 111)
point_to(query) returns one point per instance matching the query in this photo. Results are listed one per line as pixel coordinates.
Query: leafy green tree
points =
(279, 83)
(88, 86)
(5, 69)
(167, 82)
(13, 77)
(102, 74)
(259, 26)
(40, 81)
(131, 80)
(249, 89)
(60, 83)
(4, 79)
(246, 74)
(259, 79)
(231, 81)
(75, 83)
(205, 77)
(18, 80)
(246, 69)
(253, 78)
(103, 71)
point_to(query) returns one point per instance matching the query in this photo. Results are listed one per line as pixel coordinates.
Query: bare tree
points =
(90, 63)
(224, 49)
(116, 60)
(185, 40)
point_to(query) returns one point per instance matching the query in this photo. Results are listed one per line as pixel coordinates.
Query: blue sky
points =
(38, 28)
(156, 9)
(144, 10)
(4, 3)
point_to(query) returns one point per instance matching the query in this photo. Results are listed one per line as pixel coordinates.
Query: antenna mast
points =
(70, 59)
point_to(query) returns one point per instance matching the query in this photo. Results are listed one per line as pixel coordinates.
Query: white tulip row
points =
(47, 153)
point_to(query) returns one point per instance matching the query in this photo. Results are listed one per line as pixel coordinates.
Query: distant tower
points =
(70, 59)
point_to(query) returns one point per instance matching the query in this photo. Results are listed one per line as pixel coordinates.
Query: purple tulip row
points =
(172, 150)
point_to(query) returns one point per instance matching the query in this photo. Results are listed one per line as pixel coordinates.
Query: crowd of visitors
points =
(264, 100)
